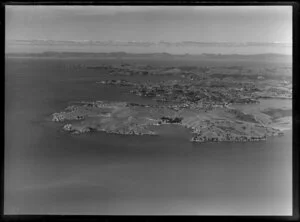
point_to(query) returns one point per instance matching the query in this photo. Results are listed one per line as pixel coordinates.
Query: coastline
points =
(124, 119)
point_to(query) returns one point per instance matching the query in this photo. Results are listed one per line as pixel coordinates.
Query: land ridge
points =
(162, 54)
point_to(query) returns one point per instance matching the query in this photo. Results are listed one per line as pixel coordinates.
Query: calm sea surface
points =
(50, 172)
(12, 48)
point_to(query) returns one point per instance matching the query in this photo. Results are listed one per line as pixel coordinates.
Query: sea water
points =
(48, 171)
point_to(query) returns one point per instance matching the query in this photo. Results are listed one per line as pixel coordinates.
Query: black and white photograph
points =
(148, 110)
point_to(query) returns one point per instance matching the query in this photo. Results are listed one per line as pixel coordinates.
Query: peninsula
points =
(215, 103)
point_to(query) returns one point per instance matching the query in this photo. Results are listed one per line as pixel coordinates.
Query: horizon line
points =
(144, 43)
(155, 53)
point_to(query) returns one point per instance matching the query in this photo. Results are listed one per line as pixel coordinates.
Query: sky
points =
(150, 23)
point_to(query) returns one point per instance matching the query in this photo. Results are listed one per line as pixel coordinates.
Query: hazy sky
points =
(151, 23)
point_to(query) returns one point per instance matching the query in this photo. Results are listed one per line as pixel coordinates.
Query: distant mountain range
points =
(146, 44)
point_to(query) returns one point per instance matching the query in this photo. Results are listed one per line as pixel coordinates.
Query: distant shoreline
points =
(124, 55)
